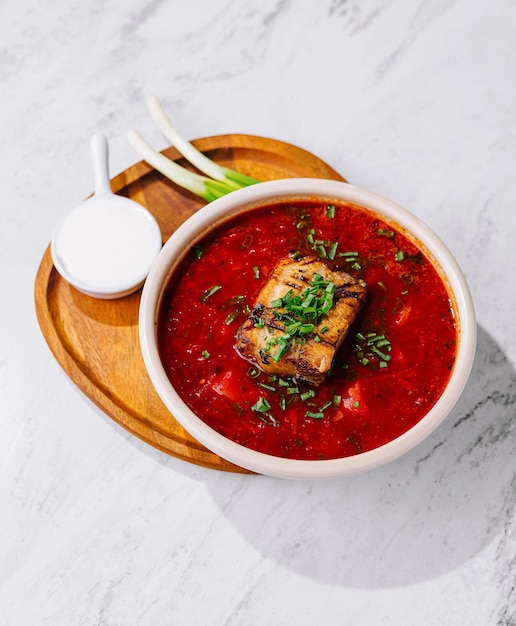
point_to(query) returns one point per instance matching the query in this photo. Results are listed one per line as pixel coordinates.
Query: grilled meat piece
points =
(263, 338)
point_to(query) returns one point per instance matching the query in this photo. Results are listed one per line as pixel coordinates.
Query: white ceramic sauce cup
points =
(105, 247)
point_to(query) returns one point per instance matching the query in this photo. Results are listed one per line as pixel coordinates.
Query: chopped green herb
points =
(262, 406)
(300, 313)
(231, 317)
(198, 251)
(383, 342)
(381, 355)
(336, 400)
(256, 272)
(399, 255)
(307, 394)
(352, 258)
(268, 387)
(238, 299)
(247, 241)
(253, 372)
(206, 354)
(325, 405)
(291, 329)
(282, 403)
(260, 323)
(308, 300)
(368, 348)
(281, 350)
(315, 415)
(209, 292)
(356, 404)
(330, 211)
(270, 343)
(385, 233)
(333, 250)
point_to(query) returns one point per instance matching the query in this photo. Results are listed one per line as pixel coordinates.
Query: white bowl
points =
(219, 211)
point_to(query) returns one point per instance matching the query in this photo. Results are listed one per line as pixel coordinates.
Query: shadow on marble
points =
(413, 520)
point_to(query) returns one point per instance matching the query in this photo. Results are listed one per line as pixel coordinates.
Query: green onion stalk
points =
(215, 180)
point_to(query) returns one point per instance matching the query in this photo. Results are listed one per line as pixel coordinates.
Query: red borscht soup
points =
(390, 370)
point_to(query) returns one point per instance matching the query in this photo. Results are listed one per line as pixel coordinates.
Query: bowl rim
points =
(217, 212)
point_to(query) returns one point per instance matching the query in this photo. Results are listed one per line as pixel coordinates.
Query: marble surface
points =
(414, 100)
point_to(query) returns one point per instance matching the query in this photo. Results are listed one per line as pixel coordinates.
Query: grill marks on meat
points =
(311, 359)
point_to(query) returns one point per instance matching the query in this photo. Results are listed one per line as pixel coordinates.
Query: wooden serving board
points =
(96, 342)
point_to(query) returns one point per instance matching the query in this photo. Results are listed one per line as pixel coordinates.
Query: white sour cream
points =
(106, 246)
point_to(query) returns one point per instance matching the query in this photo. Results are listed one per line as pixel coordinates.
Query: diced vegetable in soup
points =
(308, 330)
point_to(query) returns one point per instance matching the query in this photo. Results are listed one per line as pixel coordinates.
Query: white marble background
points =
(415, 100)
